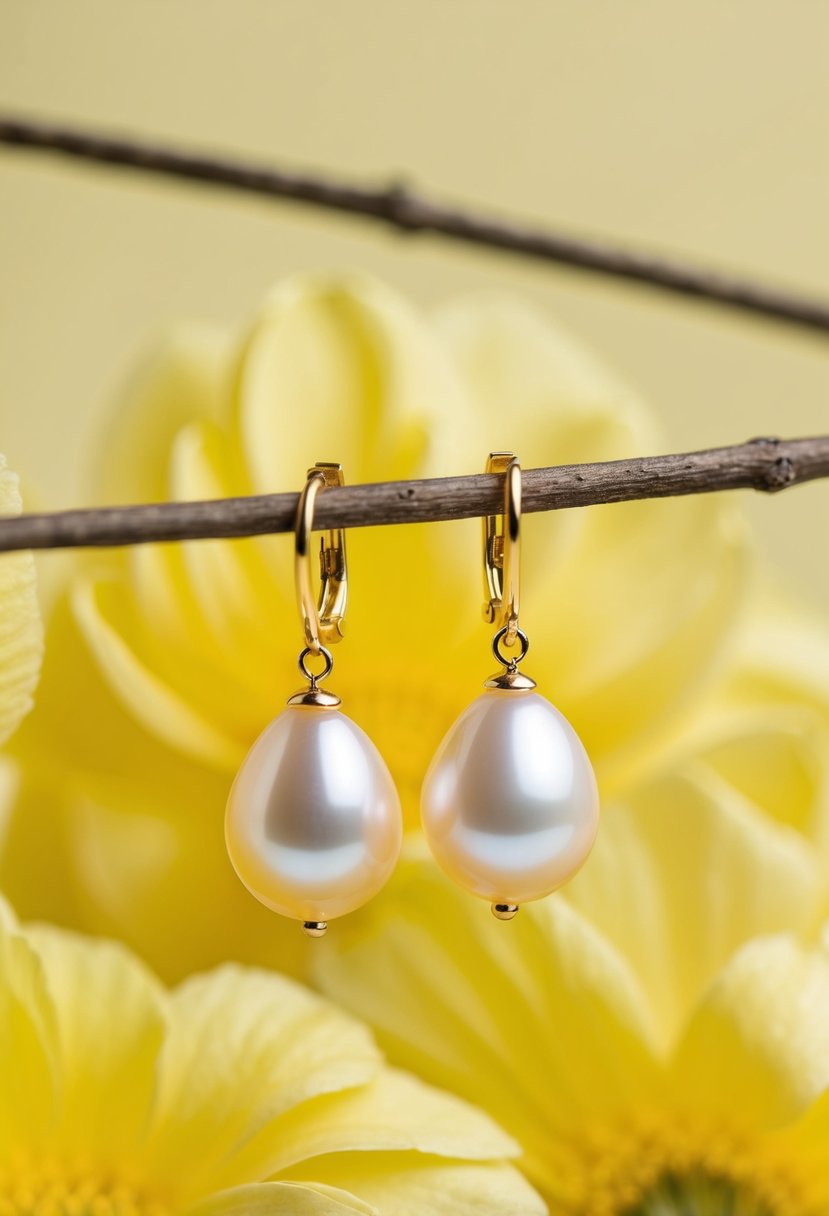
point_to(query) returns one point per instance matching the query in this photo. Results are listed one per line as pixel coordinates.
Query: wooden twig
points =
(408, 211)
(760, 464)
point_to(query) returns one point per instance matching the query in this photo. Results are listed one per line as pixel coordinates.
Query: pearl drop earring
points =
(509, 806)
(313, 824)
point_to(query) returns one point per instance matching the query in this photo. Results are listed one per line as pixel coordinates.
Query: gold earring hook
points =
(502, 539)
(323, 618)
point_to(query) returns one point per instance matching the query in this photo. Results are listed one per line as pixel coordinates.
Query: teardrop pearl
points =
(313, 824)
(510, 806)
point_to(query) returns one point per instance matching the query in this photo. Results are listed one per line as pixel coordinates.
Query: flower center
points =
(698, 1196)
(670, 1166)
(53, 1188)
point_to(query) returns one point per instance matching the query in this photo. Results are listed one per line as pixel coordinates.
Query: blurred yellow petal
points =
(234, 584)
(245, 1047)
(133, 830)
(8, 920)
(238, 591)
(110, 1026)
(778, 758)
(469, 1007)
(394, 1113)
(290, 1198)
(643, 615)
(782, 655)
(625, 1127)
(397, 1111)
(401, 1186)
(119, 1097)
(185, 377)
(37, 867)
(635, 603)
(29, 1089)
(163, 614)
(342, 362)
(806, 1142)
(684, 873)
(21, 632)
(759, 1042)
(155, 705)
(534, 383)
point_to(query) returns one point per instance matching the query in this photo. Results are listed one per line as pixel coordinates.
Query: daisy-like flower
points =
(21, 632)
(650, 1040)
(238, 1093)
(184, 652)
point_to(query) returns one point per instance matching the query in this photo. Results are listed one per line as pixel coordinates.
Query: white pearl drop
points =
(510, 806)
(313, 824)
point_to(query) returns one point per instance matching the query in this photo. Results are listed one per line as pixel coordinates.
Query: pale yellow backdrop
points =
(698, 128)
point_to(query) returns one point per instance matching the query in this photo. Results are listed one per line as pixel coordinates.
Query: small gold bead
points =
(504, 911)
(315, 928)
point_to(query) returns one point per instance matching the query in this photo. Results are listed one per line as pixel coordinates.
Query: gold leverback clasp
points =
(502, 535)
(322, 619)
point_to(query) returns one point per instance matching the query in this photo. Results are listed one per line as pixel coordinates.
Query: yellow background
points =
(695, 128)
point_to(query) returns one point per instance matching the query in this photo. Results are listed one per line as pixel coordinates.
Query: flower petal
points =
(28, 1044)
(110, 1026)
(184, 378)
(395, 1112)
(403, 1185)
(759, 1042)
(243, 1048)
(777, 758)
(534, 385)
(134, 831)
(8, 920)
(353, 357)
(144, 693)
(288, 1198)
(804, 1142)
(186, 634)
(683, 875)
(630, 640)
(782, 655)
(470, 1008)
(637, 642)
(234, 584)
(235, 594)
(21, 632)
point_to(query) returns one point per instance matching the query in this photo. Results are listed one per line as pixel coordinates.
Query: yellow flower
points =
(649, 1052)
(21, 634)
(184, 652)
(199, 640)
(238, 1092)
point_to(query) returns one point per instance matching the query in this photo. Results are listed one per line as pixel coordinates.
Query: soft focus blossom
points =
(184, 652)
(21, 634)
(651, 1053)
(238, 1092)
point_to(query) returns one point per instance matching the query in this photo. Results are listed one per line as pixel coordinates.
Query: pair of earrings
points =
(510, 806)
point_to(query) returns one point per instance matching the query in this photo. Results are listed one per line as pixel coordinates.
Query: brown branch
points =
(411, 212)
(760, 464)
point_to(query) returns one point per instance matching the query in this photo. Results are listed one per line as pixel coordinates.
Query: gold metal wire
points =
(502, 553)
(322, 616)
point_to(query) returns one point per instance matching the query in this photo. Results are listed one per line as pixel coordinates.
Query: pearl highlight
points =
(510, 806)
(313, 824)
